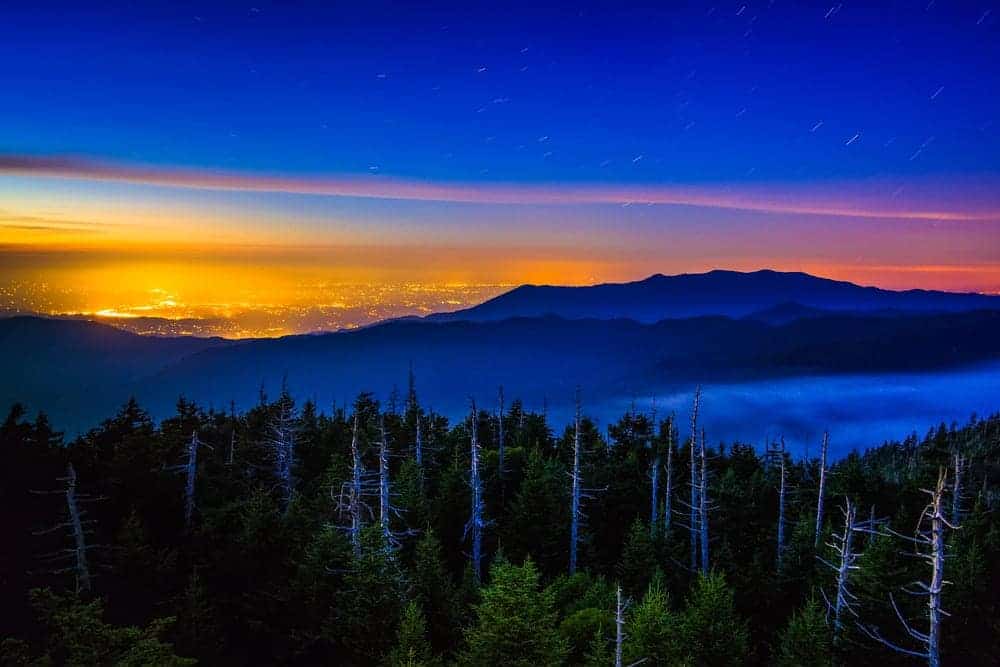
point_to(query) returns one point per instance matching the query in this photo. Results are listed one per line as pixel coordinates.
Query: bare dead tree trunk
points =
(354, 507)
(703, 506)
(844, 598)
(930, 536)
(282, 441)
(191, 471)
(956, 496)
(694, 479)
(574, 526)
(822, 488)
(476, 521)
(500, 441)
(842, 545)
(418, 449)
(383, 488)
(938, 524)
(619, 627)
(668, 492)
(230, 456)
(76, 526)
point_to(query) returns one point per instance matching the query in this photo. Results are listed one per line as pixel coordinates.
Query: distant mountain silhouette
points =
(79, 372)
(727, 293)
(70, 367)
(784, 313)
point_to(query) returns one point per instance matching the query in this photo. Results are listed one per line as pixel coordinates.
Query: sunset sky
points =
(263, 168)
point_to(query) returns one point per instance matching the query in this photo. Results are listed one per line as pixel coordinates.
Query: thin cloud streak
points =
(849, 200)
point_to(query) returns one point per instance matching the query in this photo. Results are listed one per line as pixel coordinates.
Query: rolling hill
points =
(78, 372)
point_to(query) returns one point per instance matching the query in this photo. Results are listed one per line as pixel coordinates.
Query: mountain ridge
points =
(716, 292)
(535, 357)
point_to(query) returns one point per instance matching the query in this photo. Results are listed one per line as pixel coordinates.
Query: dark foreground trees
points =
(290, 535)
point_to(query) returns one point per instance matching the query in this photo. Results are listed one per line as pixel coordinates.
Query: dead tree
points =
(231, 454)
(822, 488)
(281, 439)
(190, 473)
(574, 525)
(668, 492)
(351, 501)
(476, 519)
(654, 475)
(78, 527)
(703, 505)
(387, 510)
(842, 545)
(620, 607)
(578, 493)
(357, 473)
(418, 446)
(500, 441)
(929, 541)
(384, 505)
(776, 455)
(76, 523)
(694, 505)
(956, 495)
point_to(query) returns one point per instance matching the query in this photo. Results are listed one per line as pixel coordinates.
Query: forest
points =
(382, 534)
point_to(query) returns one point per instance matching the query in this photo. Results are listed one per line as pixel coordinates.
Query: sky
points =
(262, 168)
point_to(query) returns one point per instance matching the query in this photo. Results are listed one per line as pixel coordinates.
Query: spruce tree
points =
(412, 648)
(638, 559)
(709, 631)
(515, 621)
(651, 628)
(433, 589)
(806, 640)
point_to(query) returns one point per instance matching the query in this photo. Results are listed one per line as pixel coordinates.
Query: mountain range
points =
(539, 342)
(726, 293)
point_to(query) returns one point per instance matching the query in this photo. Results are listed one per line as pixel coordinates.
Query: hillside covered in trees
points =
(384, 535)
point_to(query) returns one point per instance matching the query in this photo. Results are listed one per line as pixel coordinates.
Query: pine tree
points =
(538, 516)
(198, 630)
(515, 621)
(433, 589)
(806, 640)
(412, 648)
(651, 627)
(599, 652)
(374, 608)
(638, 559)
(77, 635)
(709, 631)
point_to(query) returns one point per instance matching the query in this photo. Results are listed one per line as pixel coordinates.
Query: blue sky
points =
(594, 93)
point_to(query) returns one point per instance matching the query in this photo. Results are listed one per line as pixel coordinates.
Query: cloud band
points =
(851, 200)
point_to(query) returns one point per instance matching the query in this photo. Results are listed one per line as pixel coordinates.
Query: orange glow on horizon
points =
(242, 292)
(248, 268)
